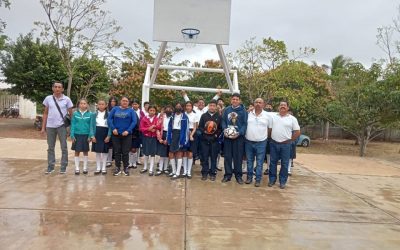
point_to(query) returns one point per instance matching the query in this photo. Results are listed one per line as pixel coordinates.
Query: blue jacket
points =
(122, 119)
(239, 114)
(184, 141)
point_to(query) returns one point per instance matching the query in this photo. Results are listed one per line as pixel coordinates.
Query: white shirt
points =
(166, 122)
(196, 109)
(283, 127)
(177, 122)
(138, 113)
(193, 119)
(100, 120)
(257, 126)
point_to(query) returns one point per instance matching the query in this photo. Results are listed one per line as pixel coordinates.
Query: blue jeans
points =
(279, 152)
(255, 150)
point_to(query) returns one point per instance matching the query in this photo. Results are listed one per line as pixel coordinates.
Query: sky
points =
(347, 27)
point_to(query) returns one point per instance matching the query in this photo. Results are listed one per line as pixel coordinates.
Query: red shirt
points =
(146, 123)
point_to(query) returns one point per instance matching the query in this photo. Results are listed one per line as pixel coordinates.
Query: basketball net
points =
(190, 42)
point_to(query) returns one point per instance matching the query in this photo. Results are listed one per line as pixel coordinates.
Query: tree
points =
(366, 102)
(6, 4)
(31, 67)
(78, 28)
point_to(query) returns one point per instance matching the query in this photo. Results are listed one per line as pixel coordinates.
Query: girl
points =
(136, 136)
(81, 134)
(148, 127)
(112, 102)
(188, 155)
(122, 120)
(102, 137)
(178, 139)
(162, 146)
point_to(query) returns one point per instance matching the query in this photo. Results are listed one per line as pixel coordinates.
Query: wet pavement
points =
(318, 210)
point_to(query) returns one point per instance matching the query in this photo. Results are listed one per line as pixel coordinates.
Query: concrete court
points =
(328, 204)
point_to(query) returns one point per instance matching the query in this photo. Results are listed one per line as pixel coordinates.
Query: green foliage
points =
(31, 67)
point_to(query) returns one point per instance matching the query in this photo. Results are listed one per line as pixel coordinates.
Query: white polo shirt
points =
(193, 119)
(257, 126)
(283, 127)
(177, 121)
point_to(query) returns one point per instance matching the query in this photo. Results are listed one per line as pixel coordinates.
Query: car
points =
(303, 141)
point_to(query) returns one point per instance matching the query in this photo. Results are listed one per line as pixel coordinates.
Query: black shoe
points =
(204, 178)
(189, 176)
(138, 163)
(117, 171)
(212, 178)
(97, 172)
(289, 174)
(257, 184)
(270, 184)
(108, 164)
(249, 180)
(77, 172)
(174, 177)
(104, 172)
(49, 170)
(126, 171)
(225, 179)
(282, 186)
(85, 172)
(219, 169)
(143, 171)
(240, 181)
(266, 172)
(151, 173)
(158, 173)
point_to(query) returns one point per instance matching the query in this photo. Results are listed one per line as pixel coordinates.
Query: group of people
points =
(178, 135)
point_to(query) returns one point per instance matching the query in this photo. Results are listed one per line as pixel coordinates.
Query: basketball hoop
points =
(190, 36)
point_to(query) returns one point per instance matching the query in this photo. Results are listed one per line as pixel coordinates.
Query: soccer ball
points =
(231, 132)
(210, 127)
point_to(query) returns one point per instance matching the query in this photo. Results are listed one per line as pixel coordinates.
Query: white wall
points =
(27, 108)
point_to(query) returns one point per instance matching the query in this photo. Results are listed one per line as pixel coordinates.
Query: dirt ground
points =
(19, 128)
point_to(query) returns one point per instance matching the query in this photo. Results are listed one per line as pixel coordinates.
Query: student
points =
(148, 127)
(210, 127)
(136, 135)
(162, 146)
(81, 134)
(112, 102)
(188, 155)
(102, 135)
(178, 139)
(122, 120)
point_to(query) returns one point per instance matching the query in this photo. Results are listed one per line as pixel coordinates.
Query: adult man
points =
(210, 128)
(53, 124)
(256, 140)
(234, 116)
(283, 129)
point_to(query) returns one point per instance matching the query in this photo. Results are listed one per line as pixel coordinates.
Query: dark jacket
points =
(239, 114)
(203, 120)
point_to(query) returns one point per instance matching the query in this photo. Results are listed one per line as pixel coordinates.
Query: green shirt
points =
(80, 124)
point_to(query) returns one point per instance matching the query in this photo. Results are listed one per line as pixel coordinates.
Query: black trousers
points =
(209, 150)
(121, 147)
(233, 154)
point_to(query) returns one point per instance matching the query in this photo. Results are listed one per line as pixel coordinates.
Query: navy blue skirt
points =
(149, 146)
(193, 144)
(81, 143)
(137, 140)
(100, 146)
(163, 149)
(174, 147)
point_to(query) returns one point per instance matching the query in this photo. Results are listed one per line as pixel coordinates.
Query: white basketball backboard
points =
(211, 17)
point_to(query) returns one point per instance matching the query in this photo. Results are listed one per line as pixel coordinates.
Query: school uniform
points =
(149, 137)
(101, 132)
(163, 148)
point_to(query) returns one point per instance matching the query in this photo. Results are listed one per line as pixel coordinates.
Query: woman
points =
(188, 155)
(178, 139)
(122, 119)
(162, 146)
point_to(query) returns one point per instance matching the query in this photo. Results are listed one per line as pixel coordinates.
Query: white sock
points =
(189, 166)
(98, 161)
(268, 159)
(166, 159)
(76, 163)
(109, 156)
(85, 162)
(146, 160)
(178, 166)
(104, 157)
(161, 164)
(134, 158)
(173, 166)
(130, 158)
(151, 163)
(289, 166)
(185, 164)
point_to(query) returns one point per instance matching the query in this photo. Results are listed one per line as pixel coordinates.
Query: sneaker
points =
(108, 164)
(104, 172)
(257, 184)
(77, 172)
(151, 173)
(282, 186)
(63, 171)
(270, 184)
(143, 171)
(117, 171)
(249, 180)
(159, 173)
(126, 171)
(49, 170)
(239, 181)
(212, 178)
(225, 179)
(85, 171)
(97, 172)
(204, 178)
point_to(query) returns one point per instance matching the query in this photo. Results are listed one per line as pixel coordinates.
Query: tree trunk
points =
(326, 131)
(363, 146)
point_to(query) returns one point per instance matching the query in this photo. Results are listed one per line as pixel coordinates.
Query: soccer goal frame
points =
(152, 71)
